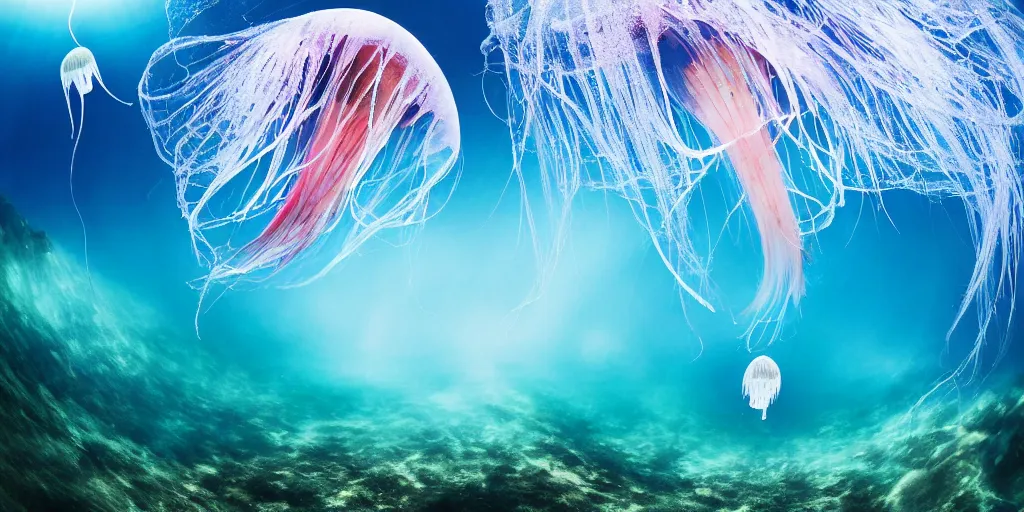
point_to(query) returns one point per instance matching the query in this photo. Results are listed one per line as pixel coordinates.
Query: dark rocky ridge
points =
(17, 236)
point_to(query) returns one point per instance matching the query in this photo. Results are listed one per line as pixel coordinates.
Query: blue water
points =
(439, 313)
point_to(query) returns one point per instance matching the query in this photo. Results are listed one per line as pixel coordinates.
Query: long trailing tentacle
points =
(721, 100)
(72, 13)
(99, 79)
(67, 99)
(71, 185)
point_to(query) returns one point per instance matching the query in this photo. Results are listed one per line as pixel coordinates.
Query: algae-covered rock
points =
(17, 236)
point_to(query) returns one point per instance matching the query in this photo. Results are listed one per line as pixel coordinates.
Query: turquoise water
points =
(409, 378)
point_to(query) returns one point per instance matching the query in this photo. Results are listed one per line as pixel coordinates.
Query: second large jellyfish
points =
(296, 141)
(803, 102)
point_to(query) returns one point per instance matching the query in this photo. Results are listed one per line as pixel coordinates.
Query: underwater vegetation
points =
(101, 413)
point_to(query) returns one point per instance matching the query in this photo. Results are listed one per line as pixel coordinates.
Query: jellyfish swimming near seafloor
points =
(762, 382)
(803, 103)
(300, 137)
(79, 69)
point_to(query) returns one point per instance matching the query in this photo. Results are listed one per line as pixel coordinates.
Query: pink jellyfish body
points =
(331, 165)
(320, 130)
(717, 96)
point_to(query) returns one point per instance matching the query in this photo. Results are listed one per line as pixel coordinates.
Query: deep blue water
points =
(436, 313)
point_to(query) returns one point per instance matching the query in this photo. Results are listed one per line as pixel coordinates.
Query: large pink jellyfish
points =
(806, 101)
(318, 130)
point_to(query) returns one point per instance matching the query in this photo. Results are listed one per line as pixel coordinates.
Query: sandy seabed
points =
(101, 409)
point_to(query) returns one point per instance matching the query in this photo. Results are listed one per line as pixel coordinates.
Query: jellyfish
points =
(732, 115)
(801, 104)
(181, 13)
(762, 382)
(294, 142)
(79, 69)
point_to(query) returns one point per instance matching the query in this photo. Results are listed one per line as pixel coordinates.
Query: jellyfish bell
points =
(294, 142)
(762, 382)
(79, 69)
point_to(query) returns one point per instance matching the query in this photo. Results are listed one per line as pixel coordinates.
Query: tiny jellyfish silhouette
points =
(294, 142)
(79, 69)
(762, 382)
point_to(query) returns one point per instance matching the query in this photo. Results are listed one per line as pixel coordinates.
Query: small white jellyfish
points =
(79, 68)
(762, 382)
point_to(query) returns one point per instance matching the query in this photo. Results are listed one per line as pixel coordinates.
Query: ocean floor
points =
(103, 408)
